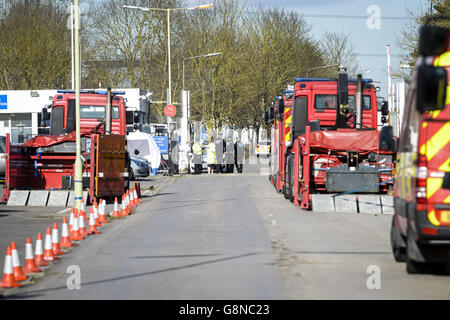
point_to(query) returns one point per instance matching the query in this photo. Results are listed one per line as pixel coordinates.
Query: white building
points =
(20, 109)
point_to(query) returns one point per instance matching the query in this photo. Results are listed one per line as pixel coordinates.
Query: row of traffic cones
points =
(130, 200)
(75, 230)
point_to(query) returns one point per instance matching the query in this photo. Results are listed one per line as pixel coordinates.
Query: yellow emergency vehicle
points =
(420, 232)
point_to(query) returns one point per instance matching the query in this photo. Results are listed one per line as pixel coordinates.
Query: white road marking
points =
(64, 210)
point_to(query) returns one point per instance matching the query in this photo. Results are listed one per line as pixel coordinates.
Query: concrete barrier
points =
(18, 198)
(369, 203)
(58, 198)
(345, 204)
(322, 203)
(38, 198)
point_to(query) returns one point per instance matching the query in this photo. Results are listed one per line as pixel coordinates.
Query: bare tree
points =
(337, 48)
(35, 45)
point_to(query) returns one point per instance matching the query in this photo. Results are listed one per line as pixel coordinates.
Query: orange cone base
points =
(76, 237)
(30, 267)
(93, 231)
(51, 259)
(116, 214)
(65, 243)
(9, 282)
(124, 213)
(39, 261)
(83, 232)
(57, 252)
(18, 274)
(103, 220)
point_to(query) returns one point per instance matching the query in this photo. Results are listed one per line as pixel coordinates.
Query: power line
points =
(336, 16)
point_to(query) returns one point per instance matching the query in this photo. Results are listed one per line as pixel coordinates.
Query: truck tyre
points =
(289, 180)
(412, 266)
(286, 196)
(398, 251)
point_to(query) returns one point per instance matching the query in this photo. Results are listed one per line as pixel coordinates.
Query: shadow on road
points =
(176, 256)
(35, 293)
(341, 252)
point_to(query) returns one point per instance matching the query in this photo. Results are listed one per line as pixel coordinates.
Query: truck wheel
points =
(412, 266)
(398, 251)
(290, 184)
(286, 196)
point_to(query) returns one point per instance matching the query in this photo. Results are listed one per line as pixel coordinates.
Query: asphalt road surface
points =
(231, 236)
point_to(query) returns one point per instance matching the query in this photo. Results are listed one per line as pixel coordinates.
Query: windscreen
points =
(97, 112)
(329, 101)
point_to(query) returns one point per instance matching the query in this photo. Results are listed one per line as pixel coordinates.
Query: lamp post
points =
(168, 10)
(169, 69)
(78, 179)
(185, 131)
(200, 56)
(322, 67)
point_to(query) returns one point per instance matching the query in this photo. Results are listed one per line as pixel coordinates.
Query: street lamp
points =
(322, 67)
(168, 10)
(201, 56)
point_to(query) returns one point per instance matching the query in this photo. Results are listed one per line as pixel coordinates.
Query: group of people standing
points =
(221, 156)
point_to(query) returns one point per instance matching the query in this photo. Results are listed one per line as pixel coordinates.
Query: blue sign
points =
(3, 101)
(163, 143)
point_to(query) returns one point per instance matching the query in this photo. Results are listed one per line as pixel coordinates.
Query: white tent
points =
(142, 145)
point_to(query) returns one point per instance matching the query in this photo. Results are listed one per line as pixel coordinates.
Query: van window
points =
(410, 127)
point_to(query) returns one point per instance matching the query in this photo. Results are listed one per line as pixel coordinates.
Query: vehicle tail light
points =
(429, 231)
(421, 179)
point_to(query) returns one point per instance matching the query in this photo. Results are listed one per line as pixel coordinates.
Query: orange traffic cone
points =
(65, 240)
(116, 213)
(55, 241)
(136, 198)
(132, 201)
(71, 217)
(92, 225)
(82, 209)
(75, 235)
(101, 213)
(39, 252)
(97, 221)
(17, 269)
(137, 187)
(8, 273)
(129, 206)
(124, 211)
(81, 225)
(48, 248)
(30, 265)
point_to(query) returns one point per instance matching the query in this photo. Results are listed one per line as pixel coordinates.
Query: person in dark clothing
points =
(197, 153)
(229, 156)
(239, 150)
(220, 149)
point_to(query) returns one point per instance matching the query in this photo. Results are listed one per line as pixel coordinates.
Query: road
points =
(233, 237)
